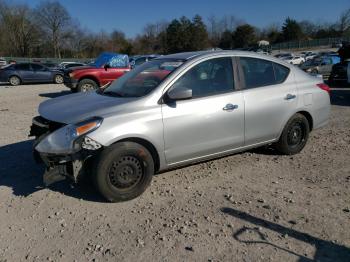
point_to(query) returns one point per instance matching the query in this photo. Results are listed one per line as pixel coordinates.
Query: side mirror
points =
(106, 66)
(179, 93)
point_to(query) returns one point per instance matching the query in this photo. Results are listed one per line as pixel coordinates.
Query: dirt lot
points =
(254, 206)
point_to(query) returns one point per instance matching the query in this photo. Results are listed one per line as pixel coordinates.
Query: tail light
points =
(324, 87)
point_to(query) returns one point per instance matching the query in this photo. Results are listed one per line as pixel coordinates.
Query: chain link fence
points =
(306, 44)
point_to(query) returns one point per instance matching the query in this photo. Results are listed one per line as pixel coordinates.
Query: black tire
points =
(58, 79)
(123, 171)
(14, 80)
(86, 85)
(294, 136)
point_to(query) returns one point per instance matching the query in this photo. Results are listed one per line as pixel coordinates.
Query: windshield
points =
(144, 79)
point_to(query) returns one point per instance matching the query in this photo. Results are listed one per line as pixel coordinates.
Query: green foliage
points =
(185, 35)
(48, 30)
(291, 30)
(244, 36)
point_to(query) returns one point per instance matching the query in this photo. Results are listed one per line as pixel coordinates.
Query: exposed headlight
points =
(68, 139)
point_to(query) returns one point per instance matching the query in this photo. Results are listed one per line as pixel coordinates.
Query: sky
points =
(131, 16)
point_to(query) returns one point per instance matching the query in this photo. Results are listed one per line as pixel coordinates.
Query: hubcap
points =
(296, 134)
(59, 79)
(126, 172)
(14, 81)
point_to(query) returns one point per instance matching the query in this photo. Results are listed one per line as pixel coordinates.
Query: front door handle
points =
(230, 107)
(290, 97)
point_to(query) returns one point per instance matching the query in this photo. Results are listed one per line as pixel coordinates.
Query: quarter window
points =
(259, 72)
(208, 78)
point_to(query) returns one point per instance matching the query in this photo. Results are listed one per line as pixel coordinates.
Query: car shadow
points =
(325, 250)
(340, 96)
(19, 172)
(55, 94)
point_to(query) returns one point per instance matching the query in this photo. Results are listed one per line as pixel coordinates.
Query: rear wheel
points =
(294, 136)
(123, 171)
(14, 80)
(58, 79)
(86, 85)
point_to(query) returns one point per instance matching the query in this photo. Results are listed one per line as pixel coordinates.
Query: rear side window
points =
(259, 72)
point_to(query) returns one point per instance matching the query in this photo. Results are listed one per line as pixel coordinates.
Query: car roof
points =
(197, 54)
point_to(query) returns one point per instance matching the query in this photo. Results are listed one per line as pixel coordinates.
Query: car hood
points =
(77, 107)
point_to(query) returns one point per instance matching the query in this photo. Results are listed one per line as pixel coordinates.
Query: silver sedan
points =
(176, 110)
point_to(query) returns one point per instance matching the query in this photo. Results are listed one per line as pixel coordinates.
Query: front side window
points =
(143, 79)
(258, 72)
(24, 67)
(211, 77)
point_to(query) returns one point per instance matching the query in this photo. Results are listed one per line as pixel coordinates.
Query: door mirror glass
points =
(180, 93)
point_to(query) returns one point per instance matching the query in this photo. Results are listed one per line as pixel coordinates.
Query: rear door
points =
(209, 123)
(41, 73)
(270, 97)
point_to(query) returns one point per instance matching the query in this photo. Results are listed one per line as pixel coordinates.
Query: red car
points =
(107, 68)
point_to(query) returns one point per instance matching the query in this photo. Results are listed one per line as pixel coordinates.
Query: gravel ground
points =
(254, 206)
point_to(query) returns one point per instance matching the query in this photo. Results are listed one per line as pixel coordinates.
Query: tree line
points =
(48, 30)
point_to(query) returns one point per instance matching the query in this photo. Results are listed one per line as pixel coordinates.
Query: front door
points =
(209, 123)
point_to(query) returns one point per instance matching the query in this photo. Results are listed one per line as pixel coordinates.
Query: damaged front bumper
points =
(64, 154)
(60, 167)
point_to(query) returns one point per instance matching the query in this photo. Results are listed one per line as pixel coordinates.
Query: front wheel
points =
(294, 136)
(123, 171)
(86, 85)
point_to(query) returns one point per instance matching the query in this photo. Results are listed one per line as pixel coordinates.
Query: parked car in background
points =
(2, 62)
(337, 44)
(282, 55)
(139, 60)
(196, 110)
(308, 55)
(66, 65)
(294, 60)
(339, 73)
(50, 65)
(22, 73)
(106, 68)
(320, 65)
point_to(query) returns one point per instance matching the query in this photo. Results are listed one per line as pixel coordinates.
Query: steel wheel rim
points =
(126, 172)
(296, 134)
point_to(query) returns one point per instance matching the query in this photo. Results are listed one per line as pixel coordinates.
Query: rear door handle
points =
(230, 107)
(290, 97)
